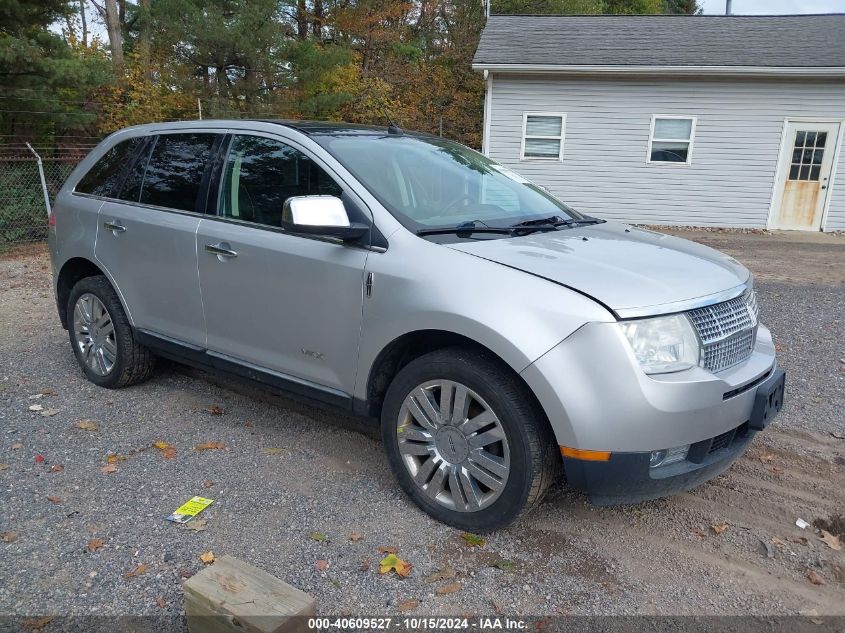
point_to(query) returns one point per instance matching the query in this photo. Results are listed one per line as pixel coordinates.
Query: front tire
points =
(102, 338)
(466, 439)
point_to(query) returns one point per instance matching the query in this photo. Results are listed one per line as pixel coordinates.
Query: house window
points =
(671, 139)
(542, 135)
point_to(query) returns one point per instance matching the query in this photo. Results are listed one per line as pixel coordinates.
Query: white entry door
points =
(804, 174)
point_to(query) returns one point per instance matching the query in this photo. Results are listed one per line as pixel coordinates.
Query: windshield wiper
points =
(552, 223)
(466, 228)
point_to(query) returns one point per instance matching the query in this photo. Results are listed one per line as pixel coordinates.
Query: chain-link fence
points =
(23, 213)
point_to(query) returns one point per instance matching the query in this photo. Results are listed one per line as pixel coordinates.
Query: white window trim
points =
(525, 115)
(651, 139)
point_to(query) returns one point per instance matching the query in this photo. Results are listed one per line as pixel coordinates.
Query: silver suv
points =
(498, 335)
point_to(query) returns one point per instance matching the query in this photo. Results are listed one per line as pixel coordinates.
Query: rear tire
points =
(102, 338)
(480, 458)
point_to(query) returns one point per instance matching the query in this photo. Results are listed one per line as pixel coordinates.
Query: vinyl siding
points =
(604, 170)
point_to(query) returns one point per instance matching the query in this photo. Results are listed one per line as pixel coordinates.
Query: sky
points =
(773, 7)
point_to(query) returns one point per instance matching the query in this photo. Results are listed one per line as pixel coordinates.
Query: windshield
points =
(434, 183)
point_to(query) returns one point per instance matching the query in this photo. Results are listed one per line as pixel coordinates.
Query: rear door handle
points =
(114, 226)
(220, 249)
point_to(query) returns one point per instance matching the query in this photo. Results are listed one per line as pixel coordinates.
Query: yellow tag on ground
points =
(190, 509)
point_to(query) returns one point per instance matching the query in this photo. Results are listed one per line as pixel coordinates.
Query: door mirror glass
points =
(314, 211)
(320, 215)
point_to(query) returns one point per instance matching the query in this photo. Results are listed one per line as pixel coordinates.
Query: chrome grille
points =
(727, 331)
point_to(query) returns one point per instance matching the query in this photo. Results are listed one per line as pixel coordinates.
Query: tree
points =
(682, 7)
(113, 16)
(46, 80)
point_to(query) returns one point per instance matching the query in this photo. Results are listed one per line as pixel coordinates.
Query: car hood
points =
(629, 270)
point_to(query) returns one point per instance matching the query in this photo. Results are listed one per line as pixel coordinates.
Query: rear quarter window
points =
(106, 175)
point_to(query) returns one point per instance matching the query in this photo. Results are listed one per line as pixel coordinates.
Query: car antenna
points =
(392, 128)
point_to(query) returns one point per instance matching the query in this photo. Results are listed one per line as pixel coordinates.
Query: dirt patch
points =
(792, 257)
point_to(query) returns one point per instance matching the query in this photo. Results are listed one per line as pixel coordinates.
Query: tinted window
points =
(105, 176)
(262, 173)
(131, 189)
(175, 169)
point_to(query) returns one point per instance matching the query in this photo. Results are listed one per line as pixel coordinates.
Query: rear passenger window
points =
(175, 169)
(106, 174)
(262, 173)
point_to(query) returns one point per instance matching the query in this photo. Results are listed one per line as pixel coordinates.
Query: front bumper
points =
(597, 398)
(628, 478)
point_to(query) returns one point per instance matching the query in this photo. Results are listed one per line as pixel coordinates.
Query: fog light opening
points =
(668, 456)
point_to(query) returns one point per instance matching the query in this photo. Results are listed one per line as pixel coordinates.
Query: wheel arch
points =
(410, 346)
(71, 272)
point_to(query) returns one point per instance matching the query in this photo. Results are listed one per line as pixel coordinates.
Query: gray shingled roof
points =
(656, 40)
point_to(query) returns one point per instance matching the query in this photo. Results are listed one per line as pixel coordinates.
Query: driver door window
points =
(261, 173)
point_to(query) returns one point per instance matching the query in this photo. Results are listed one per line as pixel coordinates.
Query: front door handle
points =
(114, 226)
(221, 250)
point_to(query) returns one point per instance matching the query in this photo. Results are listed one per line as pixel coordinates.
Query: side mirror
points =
(320, 215)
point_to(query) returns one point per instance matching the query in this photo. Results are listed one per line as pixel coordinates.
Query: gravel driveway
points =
(286, 475)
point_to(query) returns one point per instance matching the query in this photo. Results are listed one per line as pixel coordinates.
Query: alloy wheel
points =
(453, 445)
(94, 334)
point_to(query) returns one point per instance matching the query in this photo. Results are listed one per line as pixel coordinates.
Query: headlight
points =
(663, 344)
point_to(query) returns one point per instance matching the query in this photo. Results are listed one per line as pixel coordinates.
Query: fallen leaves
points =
(8, 537)
(17, 446)
(210, 446)
(216, 410)
(56, 468)
(504, 565)
(4, 466)
(393, 563)
(113, 458)
(54, 499)
(765, 458)
(698, 532)
(207, 483)
(140, 569)
(161, 602)
(36, 624)
(447, 573)
(718, 528)
(36, 407)
(387, 549)
(355, 537)
(318, 536)
(273, 451)
(447, 589)
(207, 558)
(473, 540)
(94, 544)
(168, 451)
(48, 413)
(87, 425)
(831, 540)
(39, 459)
(108, 469)
(321, 565)
(816, 578)
(407, 605)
